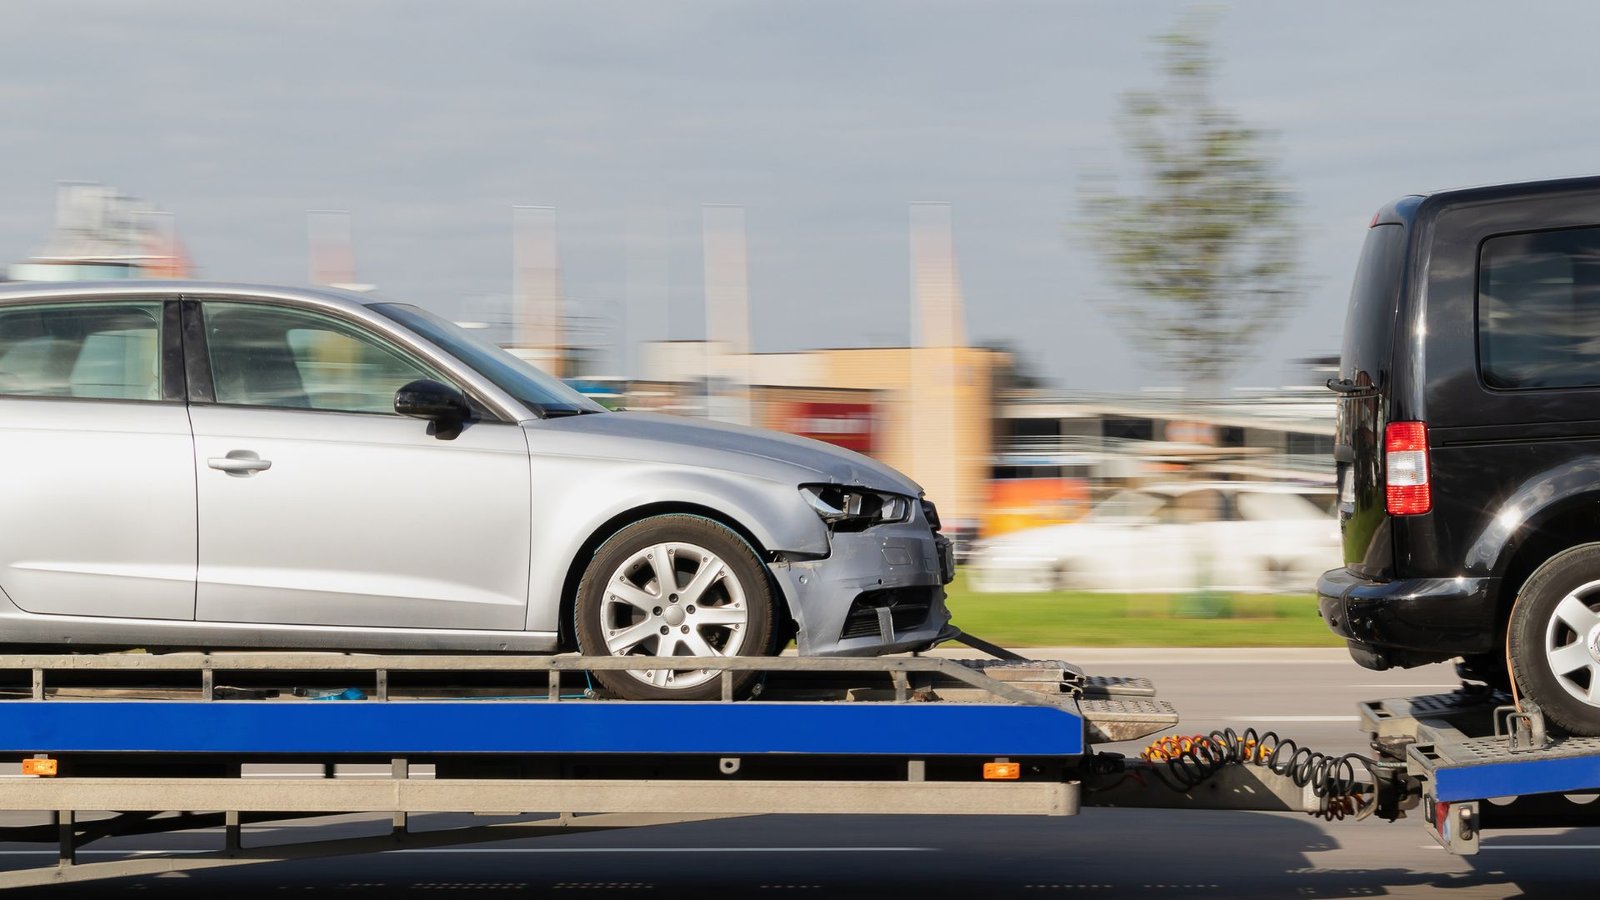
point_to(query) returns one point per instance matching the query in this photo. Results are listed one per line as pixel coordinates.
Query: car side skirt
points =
(18, 628)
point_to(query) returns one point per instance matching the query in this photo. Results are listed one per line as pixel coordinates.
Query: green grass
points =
(1080, 619)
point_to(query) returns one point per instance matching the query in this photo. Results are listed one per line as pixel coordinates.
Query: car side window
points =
(1197, 506)
(99, 351)
(263, 355)
(1539, 309)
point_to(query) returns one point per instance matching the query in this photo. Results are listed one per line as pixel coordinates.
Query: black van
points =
(1468, 443)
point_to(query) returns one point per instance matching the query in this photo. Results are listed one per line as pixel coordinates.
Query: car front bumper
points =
(1408, 622)
(878, 591)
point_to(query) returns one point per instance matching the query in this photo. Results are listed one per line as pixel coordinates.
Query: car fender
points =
(1536, 501)
(572, 505)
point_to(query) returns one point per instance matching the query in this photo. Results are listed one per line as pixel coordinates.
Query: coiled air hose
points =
(1186, 762)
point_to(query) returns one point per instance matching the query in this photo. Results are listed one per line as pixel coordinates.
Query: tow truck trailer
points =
(134, 743)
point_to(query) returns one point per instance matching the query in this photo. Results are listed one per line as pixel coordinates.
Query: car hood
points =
(695, 442)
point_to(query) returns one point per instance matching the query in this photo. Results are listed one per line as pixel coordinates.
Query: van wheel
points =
(1554, 641)
(674, 586)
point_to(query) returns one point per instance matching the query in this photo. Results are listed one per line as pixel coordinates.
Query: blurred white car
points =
(1237, 536)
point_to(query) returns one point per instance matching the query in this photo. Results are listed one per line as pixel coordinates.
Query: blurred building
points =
(101, 233)
(1054, 452)
(865, 399)
(1014, 458)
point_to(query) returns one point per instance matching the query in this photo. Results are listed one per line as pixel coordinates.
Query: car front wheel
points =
(1554, 640)
(674, 586)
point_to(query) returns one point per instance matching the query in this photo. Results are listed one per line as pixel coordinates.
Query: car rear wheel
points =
(674, 586)
(1554, 640)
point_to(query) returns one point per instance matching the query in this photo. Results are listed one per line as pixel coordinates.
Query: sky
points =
(429, 121)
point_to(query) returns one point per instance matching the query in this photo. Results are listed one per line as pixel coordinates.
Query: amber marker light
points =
(1002, 771)
(45, 768)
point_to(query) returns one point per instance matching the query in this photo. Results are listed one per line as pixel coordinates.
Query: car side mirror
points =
(443, 406)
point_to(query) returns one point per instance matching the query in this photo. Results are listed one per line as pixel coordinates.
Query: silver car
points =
(207, 465)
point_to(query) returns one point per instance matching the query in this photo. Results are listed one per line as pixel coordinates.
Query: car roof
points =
(69, 291)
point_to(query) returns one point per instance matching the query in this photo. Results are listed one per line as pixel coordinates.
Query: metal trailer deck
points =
(120, 744)
(1473, 761)
(108, 745)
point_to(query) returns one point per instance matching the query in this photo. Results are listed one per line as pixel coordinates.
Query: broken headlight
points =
(852, 508)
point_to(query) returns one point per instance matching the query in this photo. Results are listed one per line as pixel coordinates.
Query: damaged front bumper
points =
(878, 591)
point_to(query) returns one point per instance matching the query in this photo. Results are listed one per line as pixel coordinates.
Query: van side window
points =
(1539, 310)
(96, 351)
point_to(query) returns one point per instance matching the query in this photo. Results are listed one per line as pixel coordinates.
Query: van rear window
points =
(1539, 310)
(1369, 323)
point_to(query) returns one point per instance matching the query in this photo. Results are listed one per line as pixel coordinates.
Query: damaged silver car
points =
(190, 465)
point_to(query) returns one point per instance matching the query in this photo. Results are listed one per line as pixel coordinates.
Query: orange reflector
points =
(43, 767)
(1002, 771)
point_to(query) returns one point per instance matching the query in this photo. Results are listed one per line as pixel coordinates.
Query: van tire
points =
(1546, 627)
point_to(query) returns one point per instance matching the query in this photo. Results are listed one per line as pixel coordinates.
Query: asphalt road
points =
(1308, 695)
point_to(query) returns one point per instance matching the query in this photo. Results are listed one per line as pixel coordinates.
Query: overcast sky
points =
(428, 121)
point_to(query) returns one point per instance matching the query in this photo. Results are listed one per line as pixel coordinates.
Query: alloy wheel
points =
(674, 599)
(1572, 643)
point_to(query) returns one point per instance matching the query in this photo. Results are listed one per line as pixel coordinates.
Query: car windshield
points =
(542, 393)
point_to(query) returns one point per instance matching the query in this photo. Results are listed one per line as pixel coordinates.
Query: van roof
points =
(1403, 210)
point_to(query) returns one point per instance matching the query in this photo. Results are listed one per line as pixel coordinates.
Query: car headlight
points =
(850, 508)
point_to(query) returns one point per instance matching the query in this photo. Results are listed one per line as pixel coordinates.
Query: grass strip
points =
(1084, 619)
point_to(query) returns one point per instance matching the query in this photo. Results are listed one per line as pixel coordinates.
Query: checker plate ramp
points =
(1033, 674)
(1109, 721)
(1402, 716)
(1118, 686)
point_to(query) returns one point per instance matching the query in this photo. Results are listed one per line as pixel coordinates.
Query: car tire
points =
(1554, 640)
(674, 585)
(1062, 577)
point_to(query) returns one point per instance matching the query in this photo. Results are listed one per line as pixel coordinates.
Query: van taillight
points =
(1405, 460)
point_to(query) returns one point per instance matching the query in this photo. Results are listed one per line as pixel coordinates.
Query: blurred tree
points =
(1021, 374)
(1202, 243)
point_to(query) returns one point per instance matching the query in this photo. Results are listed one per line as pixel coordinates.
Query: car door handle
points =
(239, 462)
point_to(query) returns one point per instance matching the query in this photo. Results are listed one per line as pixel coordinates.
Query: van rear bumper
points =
(1409, 622)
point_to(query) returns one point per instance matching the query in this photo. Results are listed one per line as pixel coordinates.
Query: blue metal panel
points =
(1548, 775)
(485, 726)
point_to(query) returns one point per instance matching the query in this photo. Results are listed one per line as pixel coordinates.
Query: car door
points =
(318, 505)
(97, 498)
(1240, 547)
(1169, 557)
(1129, 542)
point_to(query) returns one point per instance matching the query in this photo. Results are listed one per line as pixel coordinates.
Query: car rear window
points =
(84, 350)
(1539, 310)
